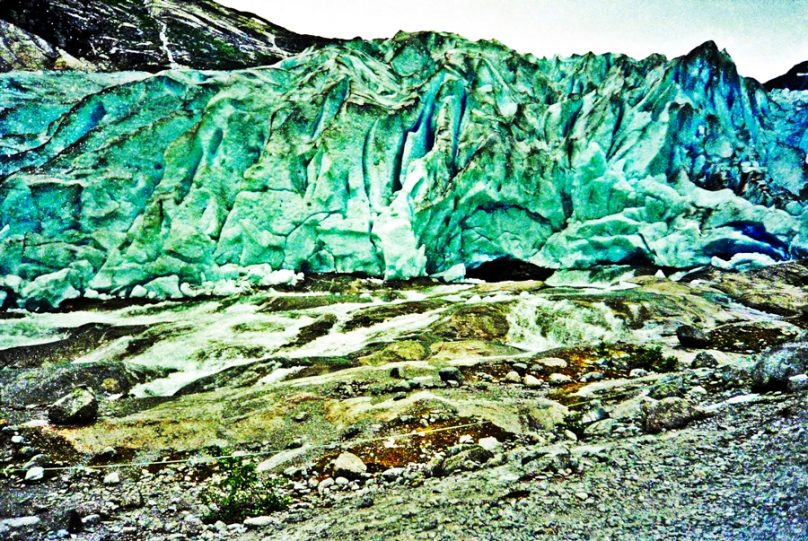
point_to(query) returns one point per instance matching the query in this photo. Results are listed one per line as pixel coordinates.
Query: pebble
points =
(798, 383)
(490, 443)
(553, 362)
(559, 379)
(392, 474)
(325, 484)
(21, 522)
(513, 377)
(91, 520)
(37, 473)
(112, 478)
(258, 522)
(533, 382)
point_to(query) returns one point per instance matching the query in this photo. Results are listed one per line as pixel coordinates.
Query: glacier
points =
(421, 155)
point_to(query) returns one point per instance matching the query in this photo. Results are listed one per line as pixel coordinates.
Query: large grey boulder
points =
(775, 366)
(80, 407)
(667, 414)
(350, 466)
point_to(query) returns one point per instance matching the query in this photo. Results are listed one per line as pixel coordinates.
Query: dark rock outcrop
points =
(134, 35)
(794, 79)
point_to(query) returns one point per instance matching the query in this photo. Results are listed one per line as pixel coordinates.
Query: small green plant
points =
(242, 493)
(651, 358)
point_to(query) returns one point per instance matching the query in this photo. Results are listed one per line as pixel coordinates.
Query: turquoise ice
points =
(421, 155)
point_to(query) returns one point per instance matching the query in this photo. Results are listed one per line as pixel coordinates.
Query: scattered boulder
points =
(80, 407)
(559, 379)
(350, 466)
(775, 366)
(553, 459)
(546, 414)
(594, 414)
(450, 373)
(666, 414)
(513, 377)
(691, 337)
(705, 360)
(467, 459)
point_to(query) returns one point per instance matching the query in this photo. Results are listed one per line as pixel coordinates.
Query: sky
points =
(764, 37)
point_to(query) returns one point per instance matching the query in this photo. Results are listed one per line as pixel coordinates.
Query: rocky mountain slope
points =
(151, 35)
(421, 155)
(795, 79)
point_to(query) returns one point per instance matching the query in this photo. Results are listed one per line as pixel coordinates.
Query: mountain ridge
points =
(151, 35)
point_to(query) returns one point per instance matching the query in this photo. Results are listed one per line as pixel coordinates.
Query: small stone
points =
(300, 416)
(391, 474)
(638, 373)
(558, 379)
(490, 444)
(705, 360)
(91, 520)
(583, 496)
(465, 439)
(36, 473)
(349, 465)
(21, 522)
(79, 407)
(325, 484)
(533, 382)
(513, 377)
(592, 376)
(258, 522)
(798, 383)
(112, 478)
(17, 440)
(450, 373)
(553, 362)
(341, 481)
(520, 368)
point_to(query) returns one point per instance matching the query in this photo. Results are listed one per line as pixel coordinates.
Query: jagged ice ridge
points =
(421, 155)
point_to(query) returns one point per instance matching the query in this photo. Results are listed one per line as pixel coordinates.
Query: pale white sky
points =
(764, 37)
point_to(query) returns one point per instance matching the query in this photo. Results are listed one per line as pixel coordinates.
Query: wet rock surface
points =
(513, 410)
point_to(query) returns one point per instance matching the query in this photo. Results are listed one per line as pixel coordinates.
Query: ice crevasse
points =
(425, 154)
